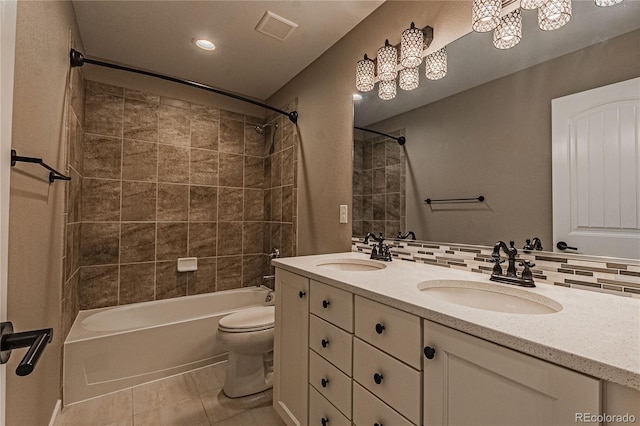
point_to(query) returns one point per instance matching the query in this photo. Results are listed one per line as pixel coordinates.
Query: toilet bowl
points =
(248, 336)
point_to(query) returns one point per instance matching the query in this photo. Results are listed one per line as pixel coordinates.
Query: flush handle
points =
(35, 340)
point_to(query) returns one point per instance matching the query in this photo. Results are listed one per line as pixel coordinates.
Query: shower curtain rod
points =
(401, 140)
(77, 59)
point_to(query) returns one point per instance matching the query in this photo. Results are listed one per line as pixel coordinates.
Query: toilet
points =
(248, 336)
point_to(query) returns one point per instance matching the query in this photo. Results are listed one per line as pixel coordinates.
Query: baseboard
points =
(56, 413)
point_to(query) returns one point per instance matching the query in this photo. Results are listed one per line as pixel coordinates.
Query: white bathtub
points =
(110, 349)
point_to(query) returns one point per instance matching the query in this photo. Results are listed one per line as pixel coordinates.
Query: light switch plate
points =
(343, 213)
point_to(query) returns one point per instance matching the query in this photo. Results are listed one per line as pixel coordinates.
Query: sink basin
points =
(351, 265)
(489, 297)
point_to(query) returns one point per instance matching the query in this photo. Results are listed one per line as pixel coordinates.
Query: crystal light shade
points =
(409, 78)
(553, 14)
(365, 75)
(605, 3)
(411, 46)
(436, 64)
(531, 4)
(387, 62)
(486, 15)
(387, 90)
(509, 32)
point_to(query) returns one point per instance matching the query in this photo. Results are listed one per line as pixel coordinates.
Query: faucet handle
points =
(496, 260)
(527, 264)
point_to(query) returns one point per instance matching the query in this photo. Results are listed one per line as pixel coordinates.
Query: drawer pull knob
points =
(301, 294)
(378, 378)
(324, 421)
(324, 383)
(325, 304)
(379, 328)
(325, 343)
(429, 352)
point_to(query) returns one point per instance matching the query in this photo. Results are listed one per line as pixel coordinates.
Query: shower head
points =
(260, 129)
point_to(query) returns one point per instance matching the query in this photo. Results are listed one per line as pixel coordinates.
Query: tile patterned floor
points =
(190, 399)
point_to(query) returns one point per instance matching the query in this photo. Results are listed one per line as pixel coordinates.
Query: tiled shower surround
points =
(614, 276)
(379, 170)
(164, 179)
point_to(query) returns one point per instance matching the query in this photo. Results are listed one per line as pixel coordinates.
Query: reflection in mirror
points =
(485, 129)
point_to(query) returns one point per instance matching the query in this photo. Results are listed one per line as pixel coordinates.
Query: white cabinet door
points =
(596, 170)
(470, 381)
(291, 347)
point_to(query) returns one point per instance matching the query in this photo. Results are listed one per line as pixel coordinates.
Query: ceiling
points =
(156, 36)
(472, 60)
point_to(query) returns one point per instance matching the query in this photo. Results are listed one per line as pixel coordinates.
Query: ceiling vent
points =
(275, 26)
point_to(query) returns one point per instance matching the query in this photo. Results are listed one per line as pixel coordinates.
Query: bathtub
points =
(115, 348)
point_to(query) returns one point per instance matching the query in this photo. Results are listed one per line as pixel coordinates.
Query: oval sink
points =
(489, 297)
(351, 265)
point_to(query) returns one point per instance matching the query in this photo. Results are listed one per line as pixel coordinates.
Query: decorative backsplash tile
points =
(566, 270)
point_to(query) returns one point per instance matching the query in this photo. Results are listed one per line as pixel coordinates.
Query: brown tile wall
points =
(281, 184)
(73, 198)
(163, 179)
(615, 276)
(379, 171)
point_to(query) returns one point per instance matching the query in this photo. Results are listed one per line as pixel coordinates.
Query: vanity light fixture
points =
(553, 14)
(486, 15)
(605, 3)
(387, 62)
(203, 43)
(509, 32)
(357, 97)
(411, 46)
(436, 64)
(409, 78)
(365, 74)
(531, 4)
(387, 90)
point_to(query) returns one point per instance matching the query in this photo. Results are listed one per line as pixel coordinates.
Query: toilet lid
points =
(250, 319)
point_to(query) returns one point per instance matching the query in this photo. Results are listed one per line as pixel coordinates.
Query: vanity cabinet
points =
(343, 359)
(291, 341)
(471, 381)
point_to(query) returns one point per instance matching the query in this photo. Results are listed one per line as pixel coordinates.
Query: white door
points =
(596, 170)
(7, 51)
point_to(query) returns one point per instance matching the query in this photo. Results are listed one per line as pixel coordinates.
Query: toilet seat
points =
(248, 320)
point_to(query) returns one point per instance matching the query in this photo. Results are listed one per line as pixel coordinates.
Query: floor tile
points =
(163, 392)
(184, 413)
(209, 378)
(263, 416)
(219, 407)
(101, 411)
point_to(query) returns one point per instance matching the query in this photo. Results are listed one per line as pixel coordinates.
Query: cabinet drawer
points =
(331, 342)
(320, 408)
(369, 410)
(392, 330)
(399, 385)
(337, 386)
(332, 304)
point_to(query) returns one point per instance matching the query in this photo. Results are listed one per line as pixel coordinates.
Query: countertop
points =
(594, 333)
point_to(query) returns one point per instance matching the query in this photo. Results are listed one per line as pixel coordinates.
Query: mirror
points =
(485, 129)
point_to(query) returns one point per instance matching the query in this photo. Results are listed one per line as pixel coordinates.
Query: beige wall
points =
(495, 140)
(36, 208)
(325, 106)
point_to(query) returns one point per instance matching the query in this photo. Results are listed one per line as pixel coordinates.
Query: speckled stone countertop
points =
(596, 334)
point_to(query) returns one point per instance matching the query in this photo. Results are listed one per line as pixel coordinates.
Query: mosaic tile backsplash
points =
(618, 277)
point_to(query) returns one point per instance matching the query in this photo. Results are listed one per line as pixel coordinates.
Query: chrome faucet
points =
(381, 251)
(525, 279)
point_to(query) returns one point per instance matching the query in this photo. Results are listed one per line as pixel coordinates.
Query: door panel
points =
(7, 54)
(596, 170)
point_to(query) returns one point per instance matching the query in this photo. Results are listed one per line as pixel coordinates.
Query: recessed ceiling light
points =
(203, 43)
(357, 97)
